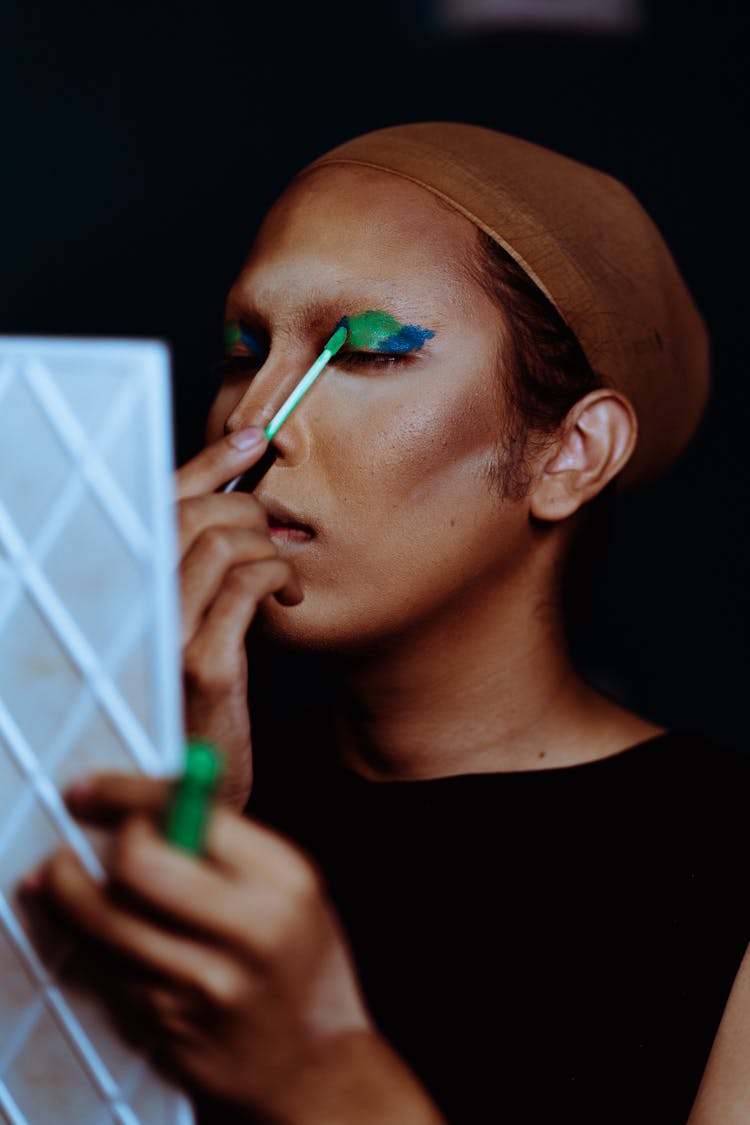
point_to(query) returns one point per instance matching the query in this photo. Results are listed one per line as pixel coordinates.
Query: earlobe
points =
(596, 441)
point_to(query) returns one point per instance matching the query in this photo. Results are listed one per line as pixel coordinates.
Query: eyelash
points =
(376, 359)
(237, 366)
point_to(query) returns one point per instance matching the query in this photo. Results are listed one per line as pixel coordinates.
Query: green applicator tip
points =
(188, 810)
(337, 341)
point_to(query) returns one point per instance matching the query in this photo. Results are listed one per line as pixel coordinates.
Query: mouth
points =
(283, 524)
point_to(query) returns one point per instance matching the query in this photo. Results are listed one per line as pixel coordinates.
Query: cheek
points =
(418, 451)
(411, 528)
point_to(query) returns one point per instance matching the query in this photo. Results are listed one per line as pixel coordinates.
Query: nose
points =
(260, 401)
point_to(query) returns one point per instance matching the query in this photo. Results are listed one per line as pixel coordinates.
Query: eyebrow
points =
(322, 314)
(315, 314)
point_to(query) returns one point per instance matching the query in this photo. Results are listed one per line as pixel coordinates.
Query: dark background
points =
(142, 142)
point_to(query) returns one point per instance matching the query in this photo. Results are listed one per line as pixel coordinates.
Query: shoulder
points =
(687, 766)
(702, 789)
(694, 760)
(686, 757)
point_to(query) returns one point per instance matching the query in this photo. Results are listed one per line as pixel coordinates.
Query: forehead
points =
(338, 224)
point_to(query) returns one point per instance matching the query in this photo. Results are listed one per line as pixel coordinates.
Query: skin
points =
(724, 1094)
(400, 489)
(439, 599)
(404, 451)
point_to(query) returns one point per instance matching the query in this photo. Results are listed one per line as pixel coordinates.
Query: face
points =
(379, 493)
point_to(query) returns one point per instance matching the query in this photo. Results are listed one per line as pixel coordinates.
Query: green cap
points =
(189, 808)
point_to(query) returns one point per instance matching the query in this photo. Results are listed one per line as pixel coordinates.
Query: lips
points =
(284, 521)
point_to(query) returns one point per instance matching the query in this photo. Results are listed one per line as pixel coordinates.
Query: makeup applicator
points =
(335, 343)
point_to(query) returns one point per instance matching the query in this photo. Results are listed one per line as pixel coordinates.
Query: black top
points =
(550, 945)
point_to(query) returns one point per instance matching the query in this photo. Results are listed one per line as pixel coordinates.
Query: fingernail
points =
(246, 439)
(79, 792)
(31, 884)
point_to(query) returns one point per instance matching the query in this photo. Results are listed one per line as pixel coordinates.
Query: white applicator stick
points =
(329, 351)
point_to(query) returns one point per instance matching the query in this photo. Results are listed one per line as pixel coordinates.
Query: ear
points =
(596, 441)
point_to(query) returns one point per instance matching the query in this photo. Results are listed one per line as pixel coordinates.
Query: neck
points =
(492, 690)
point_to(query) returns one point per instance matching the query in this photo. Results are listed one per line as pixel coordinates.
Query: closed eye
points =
(235, 368)
(371, 359)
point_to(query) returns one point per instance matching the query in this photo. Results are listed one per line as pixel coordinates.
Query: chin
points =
(302, 628)
(295, 627)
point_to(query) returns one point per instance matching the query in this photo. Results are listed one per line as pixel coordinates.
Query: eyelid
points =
(249, 335)
(357, 358)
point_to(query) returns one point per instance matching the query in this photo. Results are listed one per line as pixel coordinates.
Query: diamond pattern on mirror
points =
(31, 838)
(96, 741)
(34, 837)
(7, 576)
(150, 1099)
(88, 672)
(26, 493)
(49, 1083)
(20, 996)
(75, 984)
(91, 569)
(87, 389)
(123, 455)
(132, 680)
(12, 783)
(30, 653)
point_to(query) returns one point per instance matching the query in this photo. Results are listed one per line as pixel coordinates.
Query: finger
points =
(291, 593)
(253, 853)
(254, 886)
(115, 982)
(207, 565)
(201, 896)
(106, 799)
(212, 655)
(231, 509)
(174, 1011)
(236, 843)
(180, 959)
(249, 879)
(220, 462)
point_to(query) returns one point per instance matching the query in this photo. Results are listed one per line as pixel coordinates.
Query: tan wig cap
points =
(589, 246)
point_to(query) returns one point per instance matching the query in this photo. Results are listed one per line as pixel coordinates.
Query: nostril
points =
(250, 480)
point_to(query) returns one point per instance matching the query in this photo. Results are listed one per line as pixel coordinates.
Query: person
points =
(469, 886)
(724, 1093)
